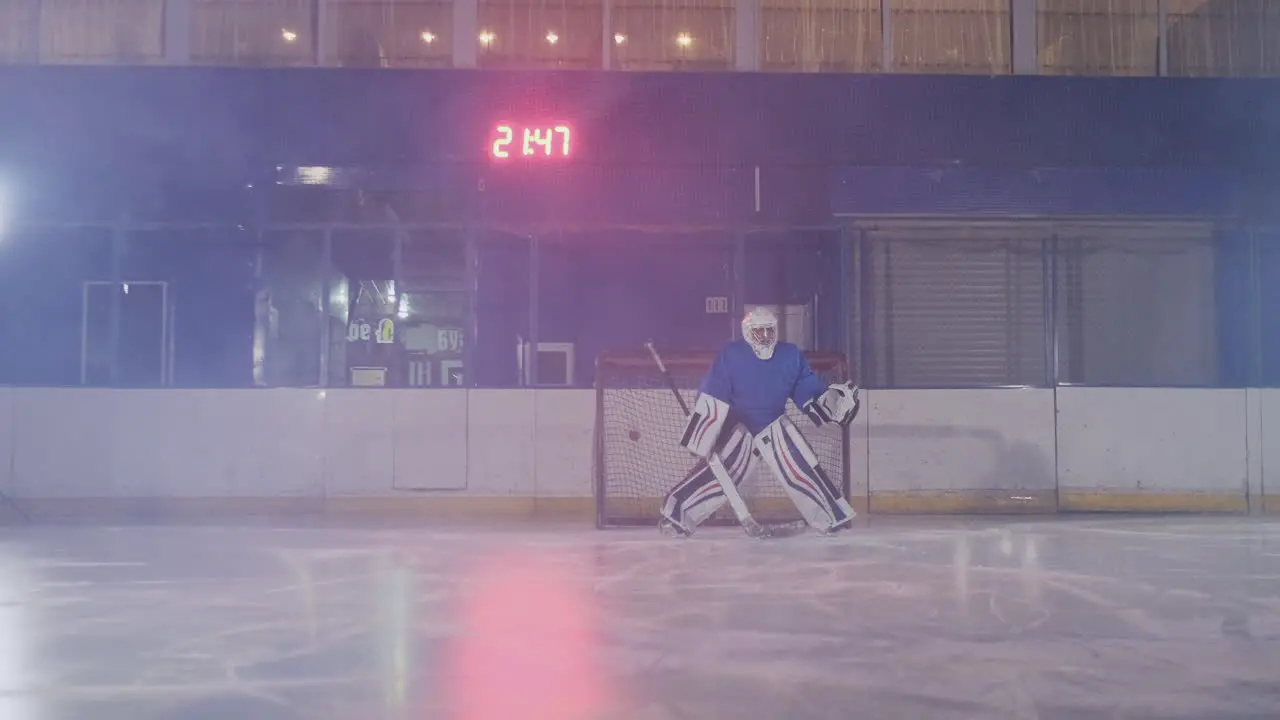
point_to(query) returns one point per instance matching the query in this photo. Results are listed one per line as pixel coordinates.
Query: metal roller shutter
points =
(1136, 304)
(956, 305)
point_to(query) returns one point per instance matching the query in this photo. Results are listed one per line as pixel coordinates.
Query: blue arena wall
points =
(754, 187)
(183, 143)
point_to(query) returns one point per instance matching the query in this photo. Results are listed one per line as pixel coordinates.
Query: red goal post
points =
(637, 427)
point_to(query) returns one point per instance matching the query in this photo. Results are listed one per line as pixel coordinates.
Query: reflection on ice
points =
(937, 618)
(19, 623)
(529, 643)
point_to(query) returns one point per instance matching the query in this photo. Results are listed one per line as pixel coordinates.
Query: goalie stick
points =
(749, 524)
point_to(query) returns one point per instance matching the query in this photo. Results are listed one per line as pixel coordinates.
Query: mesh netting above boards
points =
(638, 424)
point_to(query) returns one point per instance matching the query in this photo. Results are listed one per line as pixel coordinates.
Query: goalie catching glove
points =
(838, 404)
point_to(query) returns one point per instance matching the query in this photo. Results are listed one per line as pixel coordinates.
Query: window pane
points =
(953, 308)
(542, 34)
(673, 34)
(1269, 292)
(1224, 38)
(435, 260)
(952, 36)
(98, 351)
(1136, 307)
(294, 204)
(390, 33)
(447, 202)
(101, 31)
(1236, 271)
(502, 306)
(211, 291)
(821, 35)
(287, 309)
(1099, 37)
(797, 274)
(252, 32)
(618, 289)
(433, 312)
(42, 301)
(362, 306)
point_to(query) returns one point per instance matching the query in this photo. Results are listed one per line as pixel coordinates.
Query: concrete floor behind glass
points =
(914, 619)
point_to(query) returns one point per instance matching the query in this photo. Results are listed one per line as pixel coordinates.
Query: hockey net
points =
(638, 423)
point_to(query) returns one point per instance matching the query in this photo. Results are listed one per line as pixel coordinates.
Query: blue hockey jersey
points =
(757, 390)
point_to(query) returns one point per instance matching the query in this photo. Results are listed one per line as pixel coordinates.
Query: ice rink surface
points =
(904, 618)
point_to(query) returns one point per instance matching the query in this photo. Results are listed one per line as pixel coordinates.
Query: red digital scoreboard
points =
(534, 142)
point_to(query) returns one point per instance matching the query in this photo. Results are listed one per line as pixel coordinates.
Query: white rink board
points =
(215, 444)
(63, 444)
(432, 440)
(501, 456)
(1151, 440)
(961, 440)
(6, 436)
(1254, 443)
(359, 445)
(1269, 440)
(71, 443)
(565, 430)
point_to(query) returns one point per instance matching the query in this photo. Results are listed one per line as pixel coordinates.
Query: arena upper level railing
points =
(1177, 38)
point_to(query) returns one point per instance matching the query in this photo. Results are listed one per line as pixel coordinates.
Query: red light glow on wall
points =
(530, 141)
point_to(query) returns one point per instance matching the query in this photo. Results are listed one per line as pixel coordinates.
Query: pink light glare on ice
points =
(530, 644)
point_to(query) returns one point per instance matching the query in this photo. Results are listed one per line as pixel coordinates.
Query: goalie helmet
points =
(760, 330)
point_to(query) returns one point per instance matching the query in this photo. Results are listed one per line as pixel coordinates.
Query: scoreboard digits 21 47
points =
(530, 141)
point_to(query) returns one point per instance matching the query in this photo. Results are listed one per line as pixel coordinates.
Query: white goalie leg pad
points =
(704, 425)
(792, 461)
(699, 496)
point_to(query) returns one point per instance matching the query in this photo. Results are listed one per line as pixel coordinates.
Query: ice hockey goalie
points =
(740, 415)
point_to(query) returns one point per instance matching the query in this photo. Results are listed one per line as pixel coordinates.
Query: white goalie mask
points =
(760, 330)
